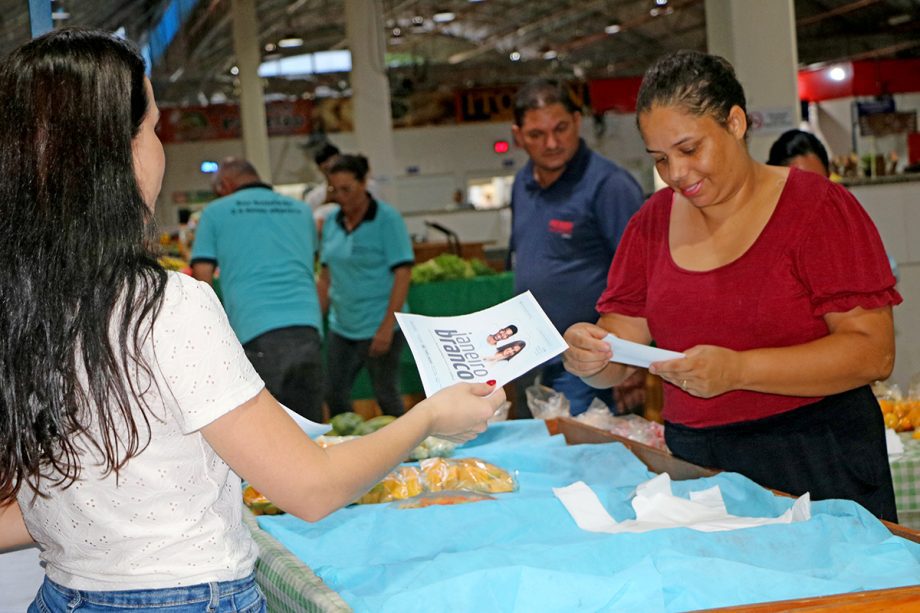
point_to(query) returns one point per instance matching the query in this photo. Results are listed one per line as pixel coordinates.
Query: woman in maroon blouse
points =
(772, 281)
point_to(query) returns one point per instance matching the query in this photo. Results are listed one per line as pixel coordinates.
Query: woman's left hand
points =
(707, 371)
(381, 342)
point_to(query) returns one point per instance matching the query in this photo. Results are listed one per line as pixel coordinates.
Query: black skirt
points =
(834, 448)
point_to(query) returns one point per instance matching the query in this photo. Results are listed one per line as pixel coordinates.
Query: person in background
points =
(569, 208)
(128, 406)
(265, 246)
(804, 151)
(319, 199)
(366, 257)
(737, 264)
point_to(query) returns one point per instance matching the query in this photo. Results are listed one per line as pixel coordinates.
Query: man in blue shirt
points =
(265, 246)
(569, 209)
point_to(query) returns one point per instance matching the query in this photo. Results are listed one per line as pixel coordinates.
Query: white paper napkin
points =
(656, 508)
(634, 354)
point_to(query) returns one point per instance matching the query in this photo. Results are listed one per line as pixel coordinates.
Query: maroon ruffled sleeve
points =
(627, 280)
(841, 259)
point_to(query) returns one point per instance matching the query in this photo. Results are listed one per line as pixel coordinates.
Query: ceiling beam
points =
(834, 12)
(519, 32)
(632, 24)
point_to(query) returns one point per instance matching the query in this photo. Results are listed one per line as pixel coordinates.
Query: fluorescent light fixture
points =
(307, 64)
(837, 74)
(515, 56)
(443, 17)
(549, 54)
(613, 28)
(290, 41)
(59, 14)
(332, 61)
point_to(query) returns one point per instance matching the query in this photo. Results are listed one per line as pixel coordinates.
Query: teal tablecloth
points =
(523, 552)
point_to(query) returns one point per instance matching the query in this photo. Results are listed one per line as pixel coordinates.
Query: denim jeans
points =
(290, 362)
(240, 596)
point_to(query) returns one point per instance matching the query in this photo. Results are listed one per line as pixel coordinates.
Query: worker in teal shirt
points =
(366, 257)
(265, 245)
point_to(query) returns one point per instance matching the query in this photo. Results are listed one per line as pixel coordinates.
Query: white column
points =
(252, 98)
(370, 88)
(758, 38)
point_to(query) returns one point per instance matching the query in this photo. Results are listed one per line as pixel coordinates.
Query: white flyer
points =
(500, 343)
(634, 354)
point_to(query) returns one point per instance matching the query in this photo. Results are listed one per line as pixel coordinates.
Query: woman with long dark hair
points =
(127, 407)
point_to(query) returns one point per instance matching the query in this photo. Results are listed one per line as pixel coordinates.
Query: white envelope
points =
(634, 354)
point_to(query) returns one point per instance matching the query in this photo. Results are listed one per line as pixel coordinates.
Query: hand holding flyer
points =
(499, 343)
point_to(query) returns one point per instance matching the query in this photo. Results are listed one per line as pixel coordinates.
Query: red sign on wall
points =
(617, 95)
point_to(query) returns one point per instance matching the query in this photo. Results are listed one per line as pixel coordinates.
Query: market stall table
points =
(905, 473)
(381, 560)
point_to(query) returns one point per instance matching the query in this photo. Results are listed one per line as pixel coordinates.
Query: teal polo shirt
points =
(265, 246)
(360, 265)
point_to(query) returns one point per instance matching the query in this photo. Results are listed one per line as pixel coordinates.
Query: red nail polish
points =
(490, 382)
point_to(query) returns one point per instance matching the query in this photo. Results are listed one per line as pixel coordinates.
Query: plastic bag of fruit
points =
(433, 499)
(257, 503)
(633, 427)
(403, 482)
(432, 447)
(900, 414)
(466, 474)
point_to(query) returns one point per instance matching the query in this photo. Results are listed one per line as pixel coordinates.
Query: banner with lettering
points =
(222, 121)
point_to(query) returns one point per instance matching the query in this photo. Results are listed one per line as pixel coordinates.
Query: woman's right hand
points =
(461, 412)
(588, 354)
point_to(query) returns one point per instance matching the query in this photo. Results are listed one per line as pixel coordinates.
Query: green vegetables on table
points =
(449, 266)
(346, 426)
